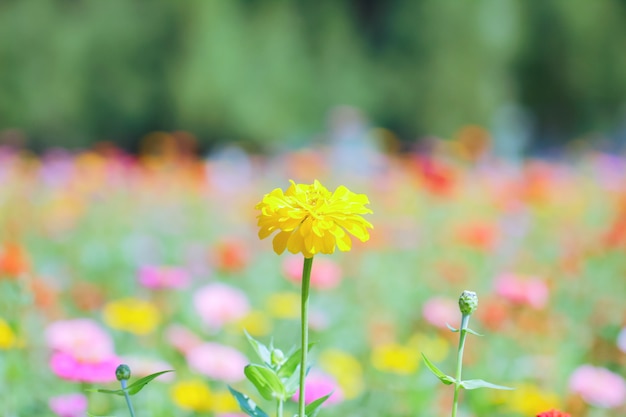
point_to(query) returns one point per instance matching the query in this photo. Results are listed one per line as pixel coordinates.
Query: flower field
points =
(155, 261)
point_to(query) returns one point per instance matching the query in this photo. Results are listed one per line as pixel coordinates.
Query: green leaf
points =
(446, 379)
(479, 383)
(266, 382)
(292, 383)
(291, 363)
(313, 408)
(133, 388)
(138, 385)
(468, 330)
(246, 404)
(261, 350)
(452, 328)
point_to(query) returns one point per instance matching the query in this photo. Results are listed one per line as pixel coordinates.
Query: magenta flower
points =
(319, 384)
(82, 351)
(219, 304)
(325, 276)
(218, 362)
(70, 368)
(163, 277)
(522, 290)
(598, 386)
(69, 405)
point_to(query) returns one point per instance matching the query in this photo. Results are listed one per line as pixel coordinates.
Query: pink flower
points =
(325, 274)
(217, 361)
(319, 384)
(69, 405)
(522, 290)
(219, 304)
(181, 338)
(68, 367)
(83, 339)
(82, 351)
(438, 311)
(163, 277)
(598, 386)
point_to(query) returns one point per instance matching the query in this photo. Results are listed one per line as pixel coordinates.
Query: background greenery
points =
(264, 73)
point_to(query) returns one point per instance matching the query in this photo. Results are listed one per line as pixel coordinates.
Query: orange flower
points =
(13, 260)
(553, 413)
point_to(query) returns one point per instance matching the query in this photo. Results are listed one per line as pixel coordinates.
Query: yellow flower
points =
(527, 399)
(7, 337)
(257, 323)
(192, 395)
(284, 305)
(310, 219)
(435, 347)
(395, 358)
(346, 369)
(132, 315)
(223, 402)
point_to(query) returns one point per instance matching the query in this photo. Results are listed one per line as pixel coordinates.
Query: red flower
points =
(553, 413)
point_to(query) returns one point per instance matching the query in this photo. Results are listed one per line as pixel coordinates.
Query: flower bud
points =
(277, 357)
(468, 302)
(122, 372)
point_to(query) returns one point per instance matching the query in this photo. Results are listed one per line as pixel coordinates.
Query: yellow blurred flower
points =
(310, 219)
(8, 340)
(435, 347)
(346, 369)
(192, 395)
(223, 402)
(284, 305)
(257, 323)
(395, 358)
(527, 399)
(132, 315)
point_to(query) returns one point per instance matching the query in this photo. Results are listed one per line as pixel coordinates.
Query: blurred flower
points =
(223, 402)
(346, 369)
(193, 395)
(317, 385)
(478, 235)
(8, 339)
(553, 413)
(231, 255)
(522, 290)
(310, 219)
(395, 358)
(598, 386)
(435, 346)
(181, 338)
(217, 361)
(257, 323)
(527, 399)
(71, 368)
(83, 339)
(163, 277)
(621, 340)
(284, 305)
(325, 275)
(219, 304)
(132, 315)
(13, 260)
(69, 405)
(438, 311)
(82, 351)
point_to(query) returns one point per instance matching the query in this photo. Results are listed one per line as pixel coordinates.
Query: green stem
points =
(304, 328)
(459, 362)
(128, 403)
(279, 412)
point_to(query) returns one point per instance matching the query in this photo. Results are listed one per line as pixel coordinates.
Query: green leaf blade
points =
(246, 404)
(138, 385)
(446, 379)
(479, 383)
(291, 363)
(312, 409)
(266, 382)
(263, 351)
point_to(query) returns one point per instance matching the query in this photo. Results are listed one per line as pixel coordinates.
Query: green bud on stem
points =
(122, 373)
(468, 302)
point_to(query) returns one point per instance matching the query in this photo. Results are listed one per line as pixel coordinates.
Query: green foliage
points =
(133, 388)
(269, 72)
